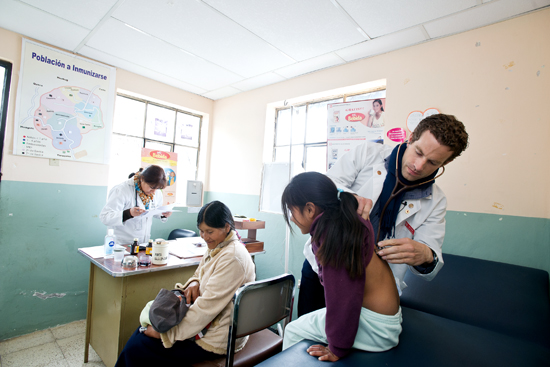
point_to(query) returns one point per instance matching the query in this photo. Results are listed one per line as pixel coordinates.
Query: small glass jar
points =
(119, 254)
(130, 262)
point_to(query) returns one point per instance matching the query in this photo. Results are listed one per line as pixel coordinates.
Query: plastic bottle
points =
(109, 244)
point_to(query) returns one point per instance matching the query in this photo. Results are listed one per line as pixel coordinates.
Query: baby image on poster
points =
(170, 176)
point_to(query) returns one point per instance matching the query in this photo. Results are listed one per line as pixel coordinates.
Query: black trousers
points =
(142, 350)
(312, 293)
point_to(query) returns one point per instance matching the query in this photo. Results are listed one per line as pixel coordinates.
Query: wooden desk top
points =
(116, 270)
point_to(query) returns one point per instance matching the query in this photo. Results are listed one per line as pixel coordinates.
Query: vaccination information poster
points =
(64, 106)
(352, 123)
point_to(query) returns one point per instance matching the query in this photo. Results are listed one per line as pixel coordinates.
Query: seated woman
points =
(225, 267)
(362, 304)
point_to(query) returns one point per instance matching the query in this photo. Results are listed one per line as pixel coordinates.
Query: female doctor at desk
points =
(127, 202)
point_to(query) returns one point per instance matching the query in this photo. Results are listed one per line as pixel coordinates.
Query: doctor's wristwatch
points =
(427, 268)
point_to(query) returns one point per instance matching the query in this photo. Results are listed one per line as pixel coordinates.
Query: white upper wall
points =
(20, 168)
(495, 79)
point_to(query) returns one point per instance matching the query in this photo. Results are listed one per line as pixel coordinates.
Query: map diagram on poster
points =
(64, 106)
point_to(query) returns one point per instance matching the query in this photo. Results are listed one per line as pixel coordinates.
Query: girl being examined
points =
(362, 304)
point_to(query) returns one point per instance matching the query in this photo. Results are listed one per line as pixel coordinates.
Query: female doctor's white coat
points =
(124, 196)
(362, 170)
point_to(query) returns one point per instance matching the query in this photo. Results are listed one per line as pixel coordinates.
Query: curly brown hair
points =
(447, 130)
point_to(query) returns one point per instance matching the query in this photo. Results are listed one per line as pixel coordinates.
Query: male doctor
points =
(408, 216)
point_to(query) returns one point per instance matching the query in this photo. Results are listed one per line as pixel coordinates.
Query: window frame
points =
(173, 144)
(6, 83)
(305, 144)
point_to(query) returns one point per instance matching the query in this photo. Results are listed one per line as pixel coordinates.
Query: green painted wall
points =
(504, 238)
(42, 226)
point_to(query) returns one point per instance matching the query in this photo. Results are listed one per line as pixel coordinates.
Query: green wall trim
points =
(45, 281)
(503, 238)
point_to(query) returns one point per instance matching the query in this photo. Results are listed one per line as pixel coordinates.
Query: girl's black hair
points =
(154, 176)
(340, 232)
(216, 215)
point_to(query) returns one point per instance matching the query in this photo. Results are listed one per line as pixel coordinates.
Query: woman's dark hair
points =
(379, 101)
(133, 173)
(340, 232)
(154, 176)
(216, 215)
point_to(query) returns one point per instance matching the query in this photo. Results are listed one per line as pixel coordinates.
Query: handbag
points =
(168, 309)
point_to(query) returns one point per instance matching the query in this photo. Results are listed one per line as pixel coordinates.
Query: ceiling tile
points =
(383, 44)
(380, 17)
(203, 31)
(140, 70)
(84, 13)
(222, 93)
(258, 81)
(308, 66)
(479, 16)
(42, 26)
(302, 29)
(124, 42)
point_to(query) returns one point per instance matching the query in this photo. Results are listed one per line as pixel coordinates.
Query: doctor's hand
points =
(167, 214)
(192, 292)
(136, 211)
(322, 352)
(365, 205)
(405, 251)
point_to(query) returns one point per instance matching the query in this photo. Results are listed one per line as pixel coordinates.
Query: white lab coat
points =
(362, 171)
(121, 197)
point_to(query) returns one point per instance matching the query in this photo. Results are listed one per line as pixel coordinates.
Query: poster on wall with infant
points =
(352, 123)
(169, 162)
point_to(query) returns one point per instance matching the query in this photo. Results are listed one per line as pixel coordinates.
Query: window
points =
(301, 132)
(143, 124)
(5, 79)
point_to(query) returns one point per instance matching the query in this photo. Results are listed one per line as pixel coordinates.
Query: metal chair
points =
(179, 233)
(256, 306)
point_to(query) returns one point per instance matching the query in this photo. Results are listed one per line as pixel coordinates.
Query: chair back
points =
(258, 305)
(179, 233)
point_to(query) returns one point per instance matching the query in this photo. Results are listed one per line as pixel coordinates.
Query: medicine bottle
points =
(135, 247)
(149, 248)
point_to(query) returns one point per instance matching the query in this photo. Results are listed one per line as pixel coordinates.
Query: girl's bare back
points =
(380, 294)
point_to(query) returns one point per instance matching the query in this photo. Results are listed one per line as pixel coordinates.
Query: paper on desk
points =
(159, 210)
(188, 247)
(98, 252)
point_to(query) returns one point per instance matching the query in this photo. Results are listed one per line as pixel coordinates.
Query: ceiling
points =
(219, 48)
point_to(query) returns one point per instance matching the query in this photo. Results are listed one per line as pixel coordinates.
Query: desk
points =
(116, 297)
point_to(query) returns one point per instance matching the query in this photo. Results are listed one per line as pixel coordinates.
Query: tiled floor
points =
(61, 346)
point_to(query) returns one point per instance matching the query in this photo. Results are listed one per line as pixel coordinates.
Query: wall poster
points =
(351, 123)
(64, 106)
(169, 162)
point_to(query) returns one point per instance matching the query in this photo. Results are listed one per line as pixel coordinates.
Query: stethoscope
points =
(394, 193)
